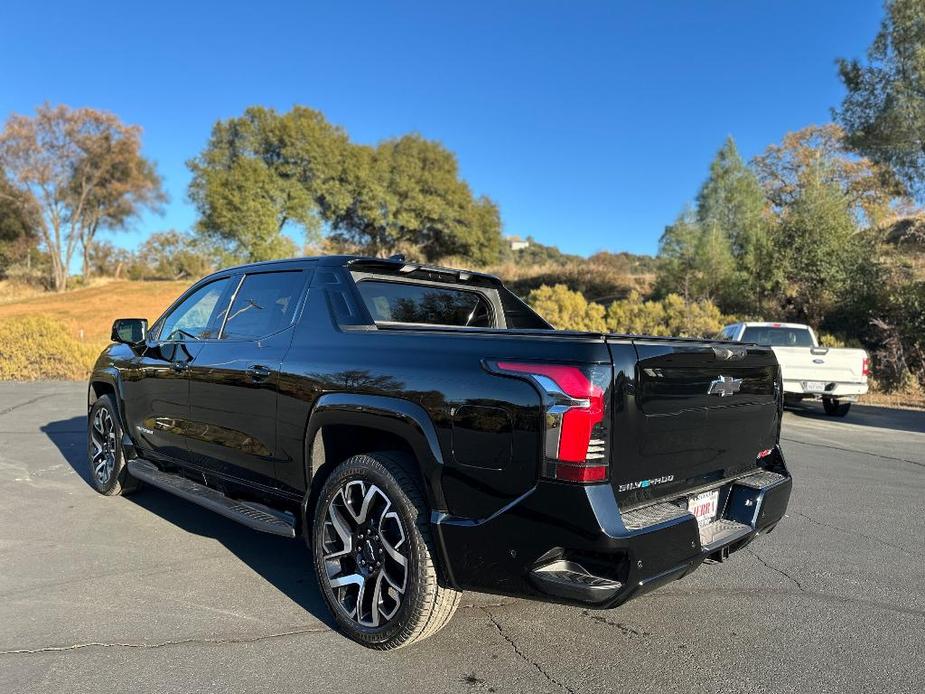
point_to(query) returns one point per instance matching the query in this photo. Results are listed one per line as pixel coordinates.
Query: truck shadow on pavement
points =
(866, 416)
(286, 564)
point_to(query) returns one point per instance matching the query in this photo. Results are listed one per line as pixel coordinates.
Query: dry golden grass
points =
(60, 335)
(11, 291)
(87, 314)
(899, 401)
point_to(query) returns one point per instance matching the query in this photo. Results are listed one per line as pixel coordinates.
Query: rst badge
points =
(725, 385)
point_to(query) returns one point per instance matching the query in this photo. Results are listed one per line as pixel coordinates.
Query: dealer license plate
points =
(814, 386)
(703, 506)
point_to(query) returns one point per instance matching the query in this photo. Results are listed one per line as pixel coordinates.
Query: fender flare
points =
(396, 416)
(112, 377)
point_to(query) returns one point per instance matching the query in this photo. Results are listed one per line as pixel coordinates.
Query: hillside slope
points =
(87, 314)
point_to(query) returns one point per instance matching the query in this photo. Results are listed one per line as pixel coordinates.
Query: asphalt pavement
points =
(152, 594)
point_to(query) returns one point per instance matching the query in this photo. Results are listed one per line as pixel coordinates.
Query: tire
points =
(371, 532)
(108, 471)
(834, 408)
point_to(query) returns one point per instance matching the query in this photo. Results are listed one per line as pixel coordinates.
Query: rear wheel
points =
(374, 556)
(108, 472)
(834, 408)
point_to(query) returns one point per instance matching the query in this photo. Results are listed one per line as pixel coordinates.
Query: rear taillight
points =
(865, 367)
(576, 428)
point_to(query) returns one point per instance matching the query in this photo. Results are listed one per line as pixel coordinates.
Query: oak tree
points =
(65, 162)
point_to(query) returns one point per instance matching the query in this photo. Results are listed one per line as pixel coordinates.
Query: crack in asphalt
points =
(852, 533)
(774, 568)
(163, 644)
(852, 450)
(473, 606)
(539, 668)
(629, 631)
(27, 402)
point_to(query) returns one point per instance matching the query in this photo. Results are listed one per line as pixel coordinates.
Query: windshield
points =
(778, 337)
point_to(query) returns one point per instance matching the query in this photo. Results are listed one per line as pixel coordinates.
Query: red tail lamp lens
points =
(577, 407)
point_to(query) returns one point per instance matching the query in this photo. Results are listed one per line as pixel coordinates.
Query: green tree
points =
(174, 255)
(718, 251)
(408, 196)
(18, 225)
(265, 172)
(821, 249)
(884, 108)
(678, 269)
(731, 206)
(695, 260)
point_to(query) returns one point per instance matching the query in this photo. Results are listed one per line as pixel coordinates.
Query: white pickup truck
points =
(834, 375)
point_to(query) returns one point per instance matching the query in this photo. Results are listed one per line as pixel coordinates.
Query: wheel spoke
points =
(336, 520)
(392, 548)
(397, 589)
(375, 610)
(349, 580)
(361, 598)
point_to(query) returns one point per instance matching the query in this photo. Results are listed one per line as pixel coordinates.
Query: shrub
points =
(669, 316)
(37, 347)
(567, 310)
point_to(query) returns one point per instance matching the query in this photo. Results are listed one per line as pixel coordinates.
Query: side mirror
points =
(130, 331)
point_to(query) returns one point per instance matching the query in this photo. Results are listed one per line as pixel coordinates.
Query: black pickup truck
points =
(427, 432)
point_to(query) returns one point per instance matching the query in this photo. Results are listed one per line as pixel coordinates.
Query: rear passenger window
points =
(264, 304)
(401, 302)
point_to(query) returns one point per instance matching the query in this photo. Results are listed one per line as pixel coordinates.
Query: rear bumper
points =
(845, 390)
(571, 544)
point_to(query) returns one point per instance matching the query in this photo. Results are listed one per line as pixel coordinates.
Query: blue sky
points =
(590, 123)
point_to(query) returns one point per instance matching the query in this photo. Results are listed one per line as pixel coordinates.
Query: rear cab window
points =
(771, 336)
(410, 303)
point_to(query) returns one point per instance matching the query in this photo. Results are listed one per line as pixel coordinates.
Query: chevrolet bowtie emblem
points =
(724, 385)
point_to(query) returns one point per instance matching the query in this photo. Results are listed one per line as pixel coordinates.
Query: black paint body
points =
(333, 383)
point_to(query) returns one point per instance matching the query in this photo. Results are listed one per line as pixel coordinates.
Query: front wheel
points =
(834, 408)
(108, 472)
(374, 555)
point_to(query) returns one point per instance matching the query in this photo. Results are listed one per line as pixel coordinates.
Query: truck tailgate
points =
(809, 364)
(692, 414)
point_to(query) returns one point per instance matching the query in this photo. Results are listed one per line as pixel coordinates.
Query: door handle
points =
(258, 372)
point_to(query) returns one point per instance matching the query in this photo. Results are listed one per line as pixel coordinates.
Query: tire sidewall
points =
(370, 470)
(113, 483)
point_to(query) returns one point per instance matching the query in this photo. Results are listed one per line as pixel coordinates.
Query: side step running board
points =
(722, 532)
(253, 515)
(571, 580)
